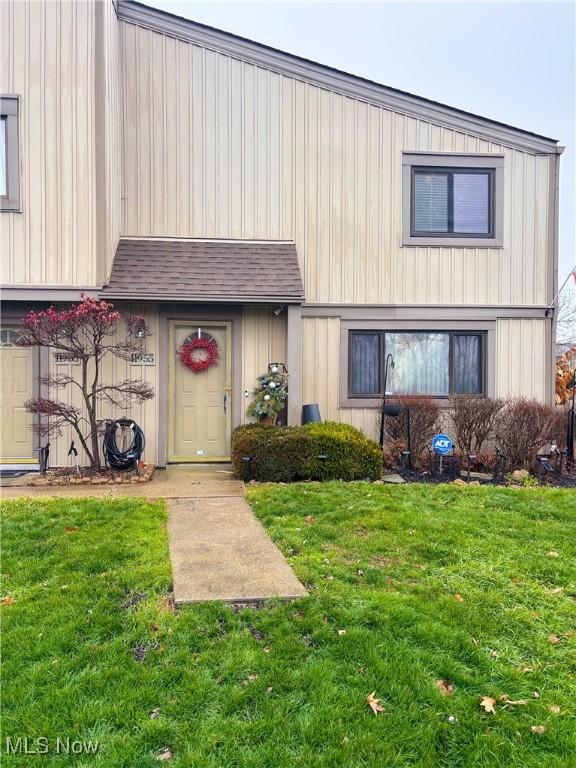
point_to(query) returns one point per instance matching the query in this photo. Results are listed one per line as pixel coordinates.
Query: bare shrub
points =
(523, 428)
(473, 417)
(424, 423)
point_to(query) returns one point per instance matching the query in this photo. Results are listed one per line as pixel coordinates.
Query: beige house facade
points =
(291, 212)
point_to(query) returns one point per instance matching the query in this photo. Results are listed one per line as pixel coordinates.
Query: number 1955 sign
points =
(142, 358)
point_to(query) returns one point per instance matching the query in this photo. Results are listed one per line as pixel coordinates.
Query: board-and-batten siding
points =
(522, 366)
(216, 147)
(61, 59)
(263, 342)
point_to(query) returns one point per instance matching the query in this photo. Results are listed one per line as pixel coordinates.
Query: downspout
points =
(555, 240)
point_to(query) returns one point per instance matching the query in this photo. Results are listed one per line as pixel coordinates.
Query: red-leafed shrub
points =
(473, 418)
(523, 428)
(424, 424)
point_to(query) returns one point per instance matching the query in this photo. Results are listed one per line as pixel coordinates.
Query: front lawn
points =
(408, 586)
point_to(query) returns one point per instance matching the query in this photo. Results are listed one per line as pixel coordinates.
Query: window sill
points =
(452, 242)
(365, 402)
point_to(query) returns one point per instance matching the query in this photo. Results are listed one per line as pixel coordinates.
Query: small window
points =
(434, 364)
(9, 155)
(452, 200)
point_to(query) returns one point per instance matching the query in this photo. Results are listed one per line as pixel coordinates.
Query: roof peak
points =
(330, 77)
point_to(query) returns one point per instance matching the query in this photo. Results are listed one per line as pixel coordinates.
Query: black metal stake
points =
(570, 427)
(389, 362)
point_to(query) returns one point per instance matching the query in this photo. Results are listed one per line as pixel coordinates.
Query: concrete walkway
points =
(218, 549)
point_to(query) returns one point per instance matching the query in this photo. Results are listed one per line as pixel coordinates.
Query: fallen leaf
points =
(552, 553)
(269, 689)
(538, 728)
(488, 704)
(8, 600)
(473, 641)
(154, 627)
(341, 632)
(309, 519)
(266, 649)
(553, 639)
(554, 708)
(446, 688)
(155, 714)
(494, 654)
(71, 529)
(250, 679)
(556, 590)
(535, 695)
(374, 704)
(360, 572)
(505, 698)
(360, 670)
(164, 754)
(458, 598)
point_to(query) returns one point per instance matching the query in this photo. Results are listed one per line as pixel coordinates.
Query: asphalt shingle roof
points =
(263, 270)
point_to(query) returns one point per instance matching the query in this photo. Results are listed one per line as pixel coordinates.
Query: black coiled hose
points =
(123, 460)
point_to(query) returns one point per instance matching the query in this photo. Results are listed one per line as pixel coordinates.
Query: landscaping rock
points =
(393, 478)
(458, 481)
(519, 475)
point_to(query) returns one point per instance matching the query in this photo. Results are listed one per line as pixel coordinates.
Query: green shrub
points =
(285, 454)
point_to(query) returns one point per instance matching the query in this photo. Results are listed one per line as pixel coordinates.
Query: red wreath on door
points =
(195, 363)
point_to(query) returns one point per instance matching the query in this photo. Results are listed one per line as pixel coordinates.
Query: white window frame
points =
(10, 110)
(453, 161)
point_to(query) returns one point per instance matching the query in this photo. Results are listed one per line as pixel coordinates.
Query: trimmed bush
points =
(285, 454)
(424, 423)
(523, 428)
(473, 417)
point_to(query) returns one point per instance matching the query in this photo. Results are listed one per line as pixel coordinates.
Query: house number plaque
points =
(142, 358)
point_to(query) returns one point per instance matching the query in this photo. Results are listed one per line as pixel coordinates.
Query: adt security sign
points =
(442, 444)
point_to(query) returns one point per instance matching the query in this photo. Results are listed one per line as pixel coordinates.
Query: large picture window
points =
(437, 364)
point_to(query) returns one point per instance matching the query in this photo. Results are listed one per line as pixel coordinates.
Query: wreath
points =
(195, 363)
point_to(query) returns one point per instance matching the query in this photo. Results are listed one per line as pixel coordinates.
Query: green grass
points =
(279, 686)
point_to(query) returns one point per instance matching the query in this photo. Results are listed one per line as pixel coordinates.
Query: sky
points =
(510, 61)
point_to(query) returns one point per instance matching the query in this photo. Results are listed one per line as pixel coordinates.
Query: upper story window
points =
(9, 155)
(452, 200)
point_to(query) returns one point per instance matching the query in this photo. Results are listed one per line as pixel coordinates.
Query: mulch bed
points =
(88, 476)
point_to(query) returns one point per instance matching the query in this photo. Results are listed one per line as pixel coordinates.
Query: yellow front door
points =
(17, 387)
(200, 404)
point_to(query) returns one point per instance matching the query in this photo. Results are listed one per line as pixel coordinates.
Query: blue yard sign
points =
(442, 444)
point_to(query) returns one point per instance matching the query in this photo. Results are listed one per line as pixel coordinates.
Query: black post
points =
(389, 361)
(570, 428)
(409, 444)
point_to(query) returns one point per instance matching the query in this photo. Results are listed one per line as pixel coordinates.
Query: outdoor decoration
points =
(269, 396)
(208, 357)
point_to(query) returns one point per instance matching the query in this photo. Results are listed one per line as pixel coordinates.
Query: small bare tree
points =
(86, 332)
(566, 319)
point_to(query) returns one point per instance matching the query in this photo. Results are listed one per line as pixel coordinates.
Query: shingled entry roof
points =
(193, 270)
